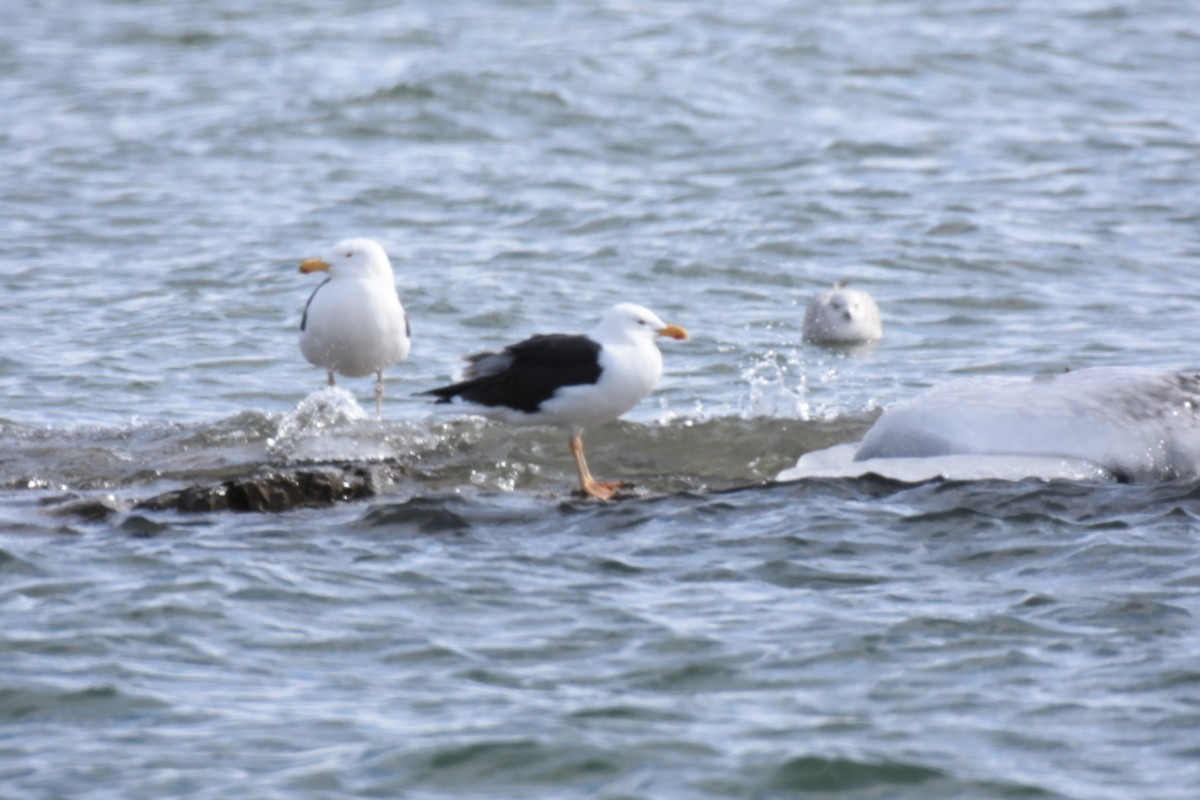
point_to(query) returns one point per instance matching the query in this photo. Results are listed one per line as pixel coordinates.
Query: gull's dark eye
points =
(349, 254)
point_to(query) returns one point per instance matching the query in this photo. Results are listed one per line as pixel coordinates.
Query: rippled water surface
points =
(1014, 183)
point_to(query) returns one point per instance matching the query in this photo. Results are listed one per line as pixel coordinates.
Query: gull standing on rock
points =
(353, 323)
(569, 380)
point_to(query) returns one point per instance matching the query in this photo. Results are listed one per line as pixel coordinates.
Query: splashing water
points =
(773, 390)
(327, 425)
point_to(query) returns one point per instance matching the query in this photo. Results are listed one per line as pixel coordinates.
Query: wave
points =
(328, 450)
(1103, 423)
(429, 456)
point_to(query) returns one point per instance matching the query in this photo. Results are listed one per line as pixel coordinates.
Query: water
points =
(1015, 184)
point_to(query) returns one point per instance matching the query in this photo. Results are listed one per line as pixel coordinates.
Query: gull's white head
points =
(841, 315)
(629, 321)
(353, 258)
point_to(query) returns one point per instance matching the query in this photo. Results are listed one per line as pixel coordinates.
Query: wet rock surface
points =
(282, 489)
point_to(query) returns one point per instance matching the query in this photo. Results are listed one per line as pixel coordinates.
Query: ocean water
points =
(1014, 183)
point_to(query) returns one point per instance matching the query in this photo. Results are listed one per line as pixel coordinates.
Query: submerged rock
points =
(90, 509)
(282, 489)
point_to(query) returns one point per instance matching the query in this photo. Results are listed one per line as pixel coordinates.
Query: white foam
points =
(327, 425)
(839, 462)
(778, 388)
(1099, 423)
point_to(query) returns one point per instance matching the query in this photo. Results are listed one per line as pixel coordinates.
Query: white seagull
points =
(572, 381)
(842, 316)
(353, 323)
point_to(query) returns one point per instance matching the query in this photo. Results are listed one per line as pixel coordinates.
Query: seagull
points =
(842, 316)
(353, 323)
(569, 380)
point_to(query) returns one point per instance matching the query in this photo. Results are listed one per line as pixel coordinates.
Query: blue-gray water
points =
(1016, 184)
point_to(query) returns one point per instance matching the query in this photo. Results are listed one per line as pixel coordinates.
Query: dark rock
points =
(90, 509)
(143, 527)
(282, 489)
